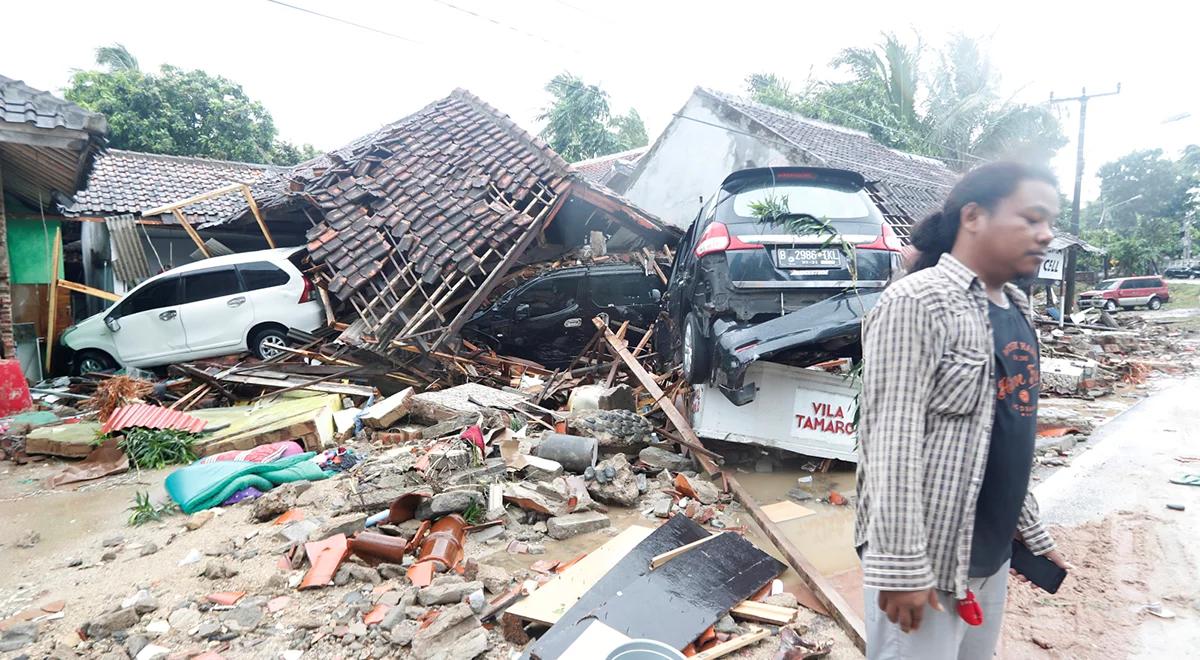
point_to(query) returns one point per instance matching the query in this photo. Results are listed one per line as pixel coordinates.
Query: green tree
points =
(116, 58)
(178, 112)
(580, 124)
(1139, 218)
(962, 119)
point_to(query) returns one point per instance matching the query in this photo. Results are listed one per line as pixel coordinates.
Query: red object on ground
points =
(1056, 431)
(420, 574)
(225, 597)
(376, 615)
(325, 557)
(836, 498)
(14, 391)
(289, 516)
(152, 417)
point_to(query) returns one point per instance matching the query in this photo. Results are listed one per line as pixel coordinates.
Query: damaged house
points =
(47, 147)
(418, 223)
(715, 134)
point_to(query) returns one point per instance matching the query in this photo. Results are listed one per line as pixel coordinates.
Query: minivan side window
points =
(262, 275)
(1153, 283)
(1131, 284)
(156, 295)
(550, 296)
(207, 284)
(624, 289)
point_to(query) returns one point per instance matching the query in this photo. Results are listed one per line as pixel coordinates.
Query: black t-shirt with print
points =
(1010, 456)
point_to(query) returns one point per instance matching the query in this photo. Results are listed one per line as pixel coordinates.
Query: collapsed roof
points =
(416, 223)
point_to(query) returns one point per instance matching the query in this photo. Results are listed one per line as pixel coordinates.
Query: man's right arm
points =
(900, 356)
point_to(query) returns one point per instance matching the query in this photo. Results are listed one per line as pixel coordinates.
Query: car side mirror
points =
(656, 295)
(521, 312)
(112, 323)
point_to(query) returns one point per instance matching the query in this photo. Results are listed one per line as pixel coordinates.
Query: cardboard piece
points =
(786, 510)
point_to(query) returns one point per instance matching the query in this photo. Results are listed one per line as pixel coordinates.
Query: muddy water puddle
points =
(827, 536)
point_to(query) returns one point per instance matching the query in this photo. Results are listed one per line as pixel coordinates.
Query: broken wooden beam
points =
(662, 558)
(87, 290)
(776, 615)
(681, 424)
(382, 414)
(727, 647)
(821, 587)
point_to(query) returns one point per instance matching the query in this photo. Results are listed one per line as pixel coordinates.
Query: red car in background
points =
(1126, 293)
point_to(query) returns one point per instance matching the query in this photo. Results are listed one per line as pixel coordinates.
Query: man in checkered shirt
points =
(949, 416)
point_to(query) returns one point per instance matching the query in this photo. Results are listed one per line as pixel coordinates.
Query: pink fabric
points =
(260, 454)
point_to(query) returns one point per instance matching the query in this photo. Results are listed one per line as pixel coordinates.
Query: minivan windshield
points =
(823, 202)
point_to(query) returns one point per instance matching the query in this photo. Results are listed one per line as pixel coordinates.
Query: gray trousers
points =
(942, 635)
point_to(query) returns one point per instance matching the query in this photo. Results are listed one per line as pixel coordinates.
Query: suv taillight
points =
(309, 293)
(887, 240)
(716, 238)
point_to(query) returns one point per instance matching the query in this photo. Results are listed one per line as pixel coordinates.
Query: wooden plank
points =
(725, 648)
(172, 207)
(681, 424)
(333, 388)
(553, 599)
(85, 289)
(191, 231)
(257, 216)
(775, 615)
(612, 372)
(821, 587)
(660, 559)
(52, 299)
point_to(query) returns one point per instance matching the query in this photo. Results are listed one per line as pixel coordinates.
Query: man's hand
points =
(906, 608)
(1054, 556)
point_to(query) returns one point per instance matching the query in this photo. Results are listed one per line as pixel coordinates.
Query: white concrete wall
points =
(695, 153)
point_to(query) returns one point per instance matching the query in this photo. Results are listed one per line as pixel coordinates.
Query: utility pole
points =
(1069, 303)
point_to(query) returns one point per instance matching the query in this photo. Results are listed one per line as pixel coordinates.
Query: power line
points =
(502, 24)
(347, 22)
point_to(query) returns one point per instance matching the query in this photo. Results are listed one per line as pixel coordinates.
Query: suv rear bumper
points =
(820, 331)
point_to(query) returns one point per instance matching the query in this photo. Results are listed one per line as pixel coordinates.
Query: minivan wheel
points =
(1154, 304)
(695, 351)
(92, 361)
(1110, 305)
(267, 343)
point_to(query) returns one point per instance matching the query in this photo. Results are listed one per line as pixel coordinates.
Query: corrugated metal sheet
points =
(129, 256)
(145, 415)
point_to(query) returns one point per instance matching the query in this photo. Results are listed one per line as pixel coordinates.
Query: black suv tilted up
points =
(734, 271)
(548, 319)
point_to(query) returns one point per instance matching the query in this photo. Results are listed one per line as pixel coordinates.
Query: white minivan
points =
(217, 306)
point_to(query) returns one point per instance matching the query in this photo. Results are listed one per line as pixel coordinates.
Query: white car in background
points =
(216, 306)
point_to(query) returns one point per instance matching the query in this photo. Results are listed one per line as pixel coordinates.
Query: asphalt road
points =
(1129, 470)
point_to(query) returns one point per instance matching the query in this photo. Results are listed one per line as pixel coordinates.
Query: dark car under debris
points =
(548, 318)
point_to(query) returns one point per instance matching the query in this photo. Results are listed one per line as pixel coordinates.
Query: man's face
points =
(1016, 233)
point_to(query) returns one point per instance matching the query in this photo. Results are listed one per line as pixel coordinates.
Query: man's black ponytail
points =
(985, 185)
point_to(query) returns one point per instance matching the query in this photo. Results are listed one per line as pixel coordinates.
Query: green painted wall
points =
(29, 246)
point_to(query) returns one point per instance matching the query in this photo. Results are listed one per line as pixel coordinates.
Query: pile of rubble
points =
(389, 526)
(1101, 352)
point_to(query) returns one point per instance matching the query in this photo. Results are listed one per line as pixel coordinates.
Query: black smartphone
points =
(1040, 571)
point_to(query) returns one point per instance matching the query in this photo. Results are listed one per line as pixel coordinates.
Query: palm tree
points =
(892, 67)
(116, 58)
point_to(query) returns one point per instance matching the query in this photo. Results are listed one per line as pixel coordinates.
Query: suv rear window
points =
(262, 275)
(823, 202)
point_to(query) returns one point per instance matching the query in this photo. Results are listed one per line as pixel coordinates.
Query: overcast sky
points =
(327, 83)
